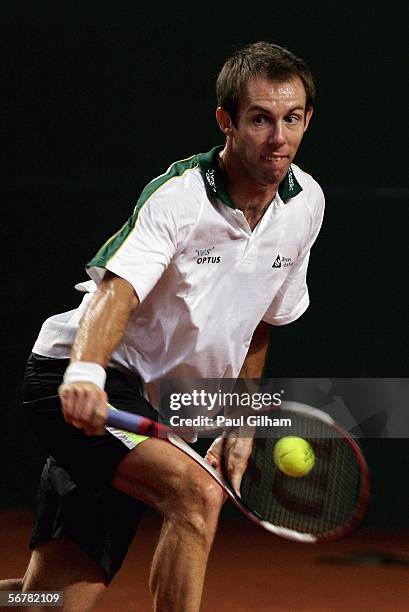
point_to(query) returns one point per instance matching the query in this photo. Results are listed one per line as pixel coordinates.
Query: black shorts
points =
(75, 500)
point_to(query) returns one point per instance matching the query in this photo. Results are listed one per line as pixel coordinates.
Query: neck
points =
(251, 198)
(246, 194)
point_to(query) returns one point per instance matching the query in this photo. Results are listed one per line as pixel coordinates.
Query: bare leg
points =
(11, 584)
(190, 501)
(179, 565)
(60, 565)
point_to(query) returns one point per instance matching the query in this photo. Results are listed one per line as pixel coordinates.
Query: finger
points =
(83, 402)
(212, 459)
(84, 409)
(213, 453)
(67, 401)
(94, 412)
(94, 425)
(236, 467)
(101, 415)
(84, 406)
(235, 481)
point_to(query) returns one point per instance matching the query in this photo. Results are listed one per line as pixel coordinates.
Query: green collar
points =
(213, 179)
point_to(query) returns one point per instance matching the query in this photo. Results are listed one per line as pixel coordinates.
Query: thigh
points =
(81, 580)
(161, 475)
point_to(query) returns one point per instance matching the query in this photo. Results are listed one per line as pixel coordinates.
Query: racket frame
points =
(144, 426)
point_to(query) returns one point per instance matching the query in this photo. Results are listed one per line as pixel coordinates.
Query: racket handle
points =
(131, 422)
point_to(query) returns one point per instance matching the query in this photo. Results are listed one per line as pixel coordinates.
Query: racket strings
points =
(318, 503)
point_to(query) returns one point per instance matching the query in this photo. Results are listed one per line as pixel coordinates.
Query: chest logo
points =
(282, 262)
(206, 256)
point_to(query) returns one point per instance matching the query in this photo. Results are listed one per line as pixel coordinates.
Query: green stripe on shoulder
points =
(111, 246)
(175, 170)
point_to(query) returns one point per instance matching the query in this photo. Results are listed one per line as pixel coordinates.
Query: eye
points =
(260, 119)
(292, 119)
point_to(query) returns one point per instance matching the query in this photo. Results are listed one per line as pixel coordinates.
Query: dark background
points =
(100, 97)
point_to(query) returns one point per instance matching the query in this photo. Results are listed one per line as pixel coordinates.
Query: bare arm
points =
(100, 331)
(256, 356)
(239, 448)
(105, 320)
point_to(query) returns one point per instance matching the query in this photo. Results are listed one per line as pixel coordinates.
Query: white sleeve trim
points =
(97, 275)
(296, 314)
(140, 290)
(86, 286)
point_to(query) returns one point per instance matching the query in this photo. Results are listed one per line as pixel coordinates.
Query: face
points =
(270, 124)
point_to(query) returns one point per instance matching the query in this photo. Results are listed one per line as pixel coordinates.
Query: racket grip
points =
(130, 422)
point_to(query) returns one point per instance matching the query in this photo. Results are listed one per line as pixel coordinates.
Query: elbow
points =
(134, 303)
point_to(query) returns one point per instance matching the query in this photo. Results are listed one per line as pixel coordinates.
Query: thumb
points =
(235, 482)
(212, 459)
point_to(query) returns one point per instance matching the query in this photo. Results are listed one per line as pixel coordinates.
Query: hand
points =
(237, 453)
(213, 453)
(84, 405)
(213, 457)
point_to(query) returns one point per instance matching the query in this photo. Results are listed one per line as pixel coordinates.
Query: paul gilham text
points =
(252, 420)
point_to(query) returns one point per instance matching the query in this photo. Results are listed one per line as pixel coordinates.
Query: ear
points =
(308, 115)
(224, 121)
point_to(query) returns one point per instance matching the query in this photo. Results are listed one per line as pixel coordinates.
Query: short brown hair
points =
(259, 59)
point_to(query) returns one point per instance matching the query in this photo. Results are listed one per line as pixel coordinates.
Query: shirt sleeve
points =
(292, 299)
(142, 249)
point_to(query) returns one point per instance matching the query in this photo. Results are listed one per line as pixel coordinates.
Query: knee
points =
(197, 500)
(204, 494)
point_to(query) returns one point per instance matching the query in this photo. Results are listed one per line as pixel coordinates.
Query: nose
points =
(276, 135)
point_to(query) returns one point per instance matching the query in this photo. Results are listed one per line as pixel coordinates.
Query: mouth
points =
(274, 158)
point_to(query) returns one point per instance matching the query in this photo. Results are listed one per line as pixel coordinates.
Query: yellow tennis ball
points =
(294, 456)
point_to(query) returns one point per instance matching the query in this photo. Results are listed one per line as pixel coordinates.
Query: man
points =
(216, 251)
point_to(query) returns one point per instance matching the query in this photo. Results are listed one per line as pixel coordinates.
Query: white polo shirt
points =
(203, 278)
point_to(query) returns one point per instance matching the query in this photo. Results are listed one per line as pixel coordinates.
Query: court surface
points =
(252, 571)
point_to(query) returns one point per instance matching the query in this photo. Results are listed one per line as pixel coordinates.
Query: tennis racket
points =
(324, 505)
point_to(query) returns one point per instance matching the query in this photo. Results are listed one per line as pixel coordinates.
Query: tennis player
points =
(214, 253)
